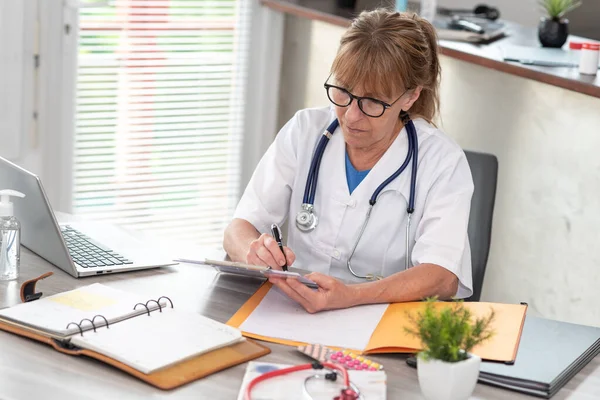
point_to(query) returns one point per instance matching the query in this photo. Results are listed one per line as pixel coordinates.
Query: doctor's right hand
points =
(265, 251)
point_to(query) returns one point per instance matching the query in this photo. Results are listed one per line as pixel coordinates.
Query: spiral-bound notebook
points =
(145, 337)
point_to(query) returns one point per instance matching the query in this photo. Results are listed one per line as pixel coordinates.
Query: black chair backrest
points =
(484, 169)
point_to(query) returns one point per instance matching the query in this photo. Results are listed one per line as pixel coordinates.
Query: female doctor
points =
(374, 193)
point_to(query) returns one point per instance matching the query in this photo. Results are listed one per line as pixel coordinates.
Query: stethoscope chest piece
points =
(306, 220)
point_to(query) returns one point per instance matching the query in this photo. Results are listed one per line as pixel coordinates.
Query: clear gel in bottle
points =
(10, 237)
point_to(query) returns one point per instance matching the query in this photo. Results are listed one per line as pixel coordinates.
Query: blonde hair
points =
(389, 52)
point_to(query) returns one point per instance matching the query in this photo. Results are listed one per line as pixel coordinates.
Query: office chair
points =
(484, 169)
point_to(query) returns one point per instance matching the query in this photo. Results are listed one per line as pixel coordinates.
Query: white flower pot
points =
(441, 380)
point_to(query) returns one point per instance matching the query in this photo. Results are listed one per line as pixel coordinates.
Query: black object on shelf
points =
(346, 3)
(553, 32)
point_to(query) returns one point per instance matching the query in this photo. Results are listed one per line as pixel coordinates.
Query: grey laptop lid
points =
(40, 232)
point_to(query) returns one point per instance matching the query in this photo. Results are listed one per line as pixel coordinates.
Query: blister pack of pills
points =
(346, 358)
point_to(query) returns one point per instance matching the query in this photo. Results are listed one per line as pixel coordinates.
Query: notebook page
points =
(149, 343)
(278, 316)
(53, 313)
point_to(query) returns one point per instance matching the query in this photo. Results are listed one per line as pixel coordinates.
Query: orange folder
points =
(389, 335)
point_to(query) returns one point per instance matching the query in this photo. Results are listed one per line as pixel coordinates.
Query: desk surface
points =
(30, 370)
(488, 56)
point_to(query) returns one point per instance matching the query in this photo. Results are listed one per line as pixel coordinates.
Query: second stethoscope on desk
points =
(306, 220)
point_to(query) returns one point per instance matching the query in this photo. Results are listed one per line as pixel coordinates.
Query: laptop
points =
(78, 248)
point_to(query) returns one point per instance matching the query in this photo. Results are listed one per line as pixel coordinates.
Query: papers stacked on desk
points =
(448, 29)
(369, 329)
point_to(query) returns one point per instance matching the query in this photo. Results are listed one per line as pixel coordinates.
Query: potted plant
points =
(554, 29)
(446, 368)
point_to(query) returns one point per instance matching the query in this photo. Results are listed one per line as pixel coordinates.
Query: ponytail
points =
(428, 103)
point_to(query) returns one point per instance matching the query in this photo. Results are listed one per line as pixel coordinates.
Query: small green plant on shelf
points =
(556, 9)
(448, 331)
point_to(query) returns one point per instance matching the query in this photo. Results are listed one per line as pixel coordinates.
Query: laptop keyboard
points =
(88, 253)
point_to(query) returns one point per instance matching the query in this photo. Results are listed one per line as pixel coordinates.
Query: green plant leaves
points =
(450, 332)
(558, 8)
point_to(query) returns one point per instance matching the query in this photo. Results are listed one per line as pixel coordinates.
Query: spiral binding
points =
(143, 305)
(91, 322)
(94, 326)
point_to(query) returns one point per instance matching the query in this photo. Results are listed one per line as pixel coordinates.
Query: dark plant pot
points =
(553, 32)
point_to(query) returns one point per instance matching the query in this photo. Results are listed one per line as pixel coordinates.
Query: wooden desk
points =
(29, 370)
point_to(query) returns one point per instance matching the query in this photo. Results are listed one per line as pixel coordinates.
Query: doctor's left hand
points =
(331, 294)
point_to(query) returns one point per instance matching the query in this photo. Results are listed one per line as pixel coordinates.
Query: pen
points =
(277, 235)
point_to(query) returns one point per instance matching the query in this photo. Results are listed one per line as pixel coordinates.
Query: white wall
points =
(544, 236)
(11, 76)
(18, 141)
(543, 241)
(40, 143)
(547, 212)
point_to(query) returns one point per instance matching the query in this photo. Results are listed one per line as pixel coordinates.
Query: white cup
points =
(588, 62)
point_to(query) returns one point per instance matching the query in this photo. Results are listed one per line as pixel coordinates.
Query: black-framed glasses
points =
(368, 105)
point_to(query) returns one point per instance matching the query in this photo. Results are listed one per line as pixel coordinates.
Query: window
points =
(158, 116)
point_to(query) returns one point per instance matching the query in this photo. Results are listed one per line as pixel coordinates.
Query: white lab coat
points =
(438, 232)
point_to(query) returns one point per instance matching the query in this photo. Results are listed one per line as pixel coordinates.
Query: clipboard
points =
(237, 268)
(256, 271)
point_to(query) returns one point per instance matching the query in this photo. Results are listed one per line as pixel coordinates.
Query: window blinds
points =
(159, 115)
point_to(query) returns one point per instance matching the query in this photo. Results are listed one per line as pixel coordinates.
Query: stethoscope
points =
(327, 371)
(306, 220)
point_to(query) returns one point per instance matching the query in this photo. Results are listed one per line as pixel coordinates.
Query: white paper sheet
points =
(280, 317)
(54, 313)
(148, 343)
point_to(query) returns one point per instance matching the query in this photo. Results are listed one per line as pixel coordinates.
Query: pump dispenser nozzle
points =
(6, 207)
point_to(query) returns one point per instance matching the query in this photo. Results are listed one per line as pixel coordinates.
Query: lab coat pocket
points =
(320, 261)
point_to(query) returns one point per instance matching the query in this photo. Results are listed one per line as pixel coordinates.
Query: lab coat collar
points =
(385, 167)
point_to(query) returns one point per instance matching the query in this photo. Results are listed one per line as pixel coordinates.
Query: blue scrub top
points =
(353, 177)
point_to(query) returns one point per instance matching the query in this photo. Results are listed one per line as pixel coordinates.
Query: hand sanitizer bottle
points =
(10, 237)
